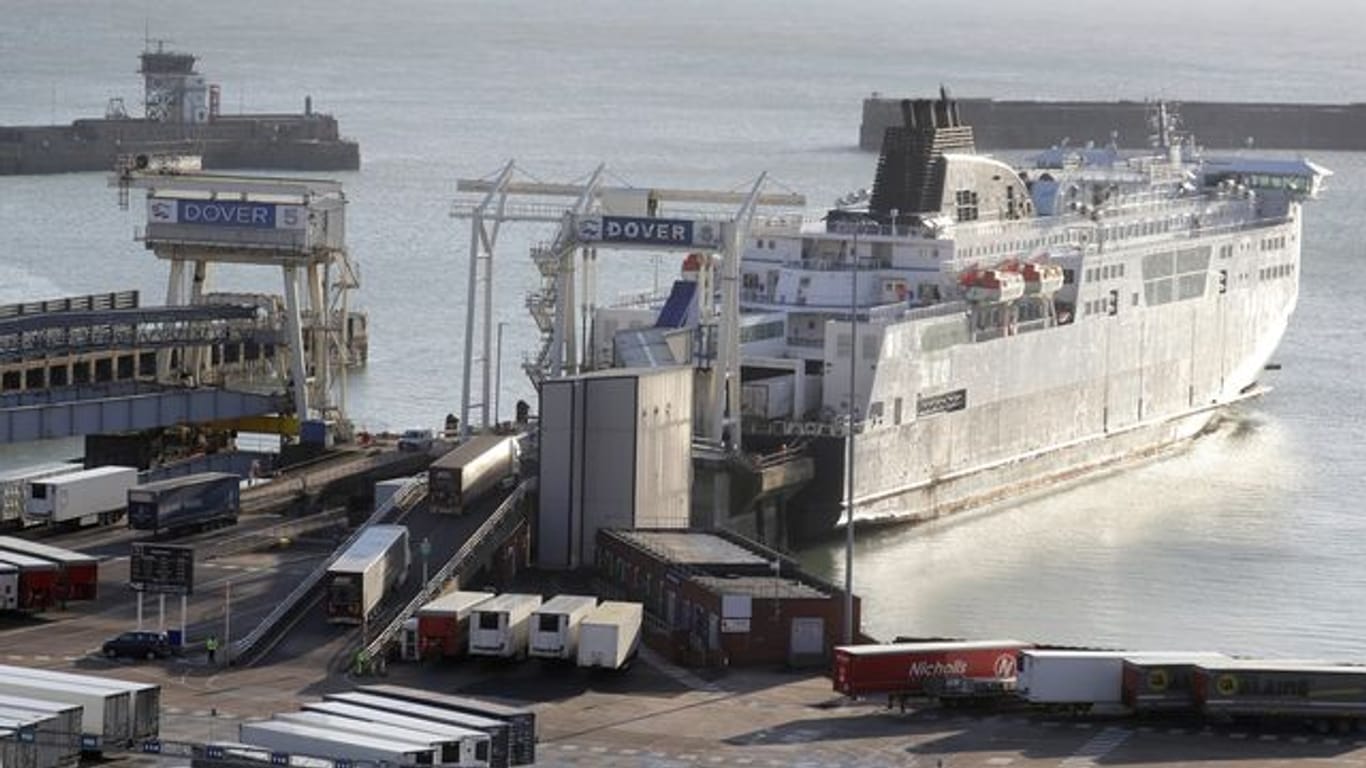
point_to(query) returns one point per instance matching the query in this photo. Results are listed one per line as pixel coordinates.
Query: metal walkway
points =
(27, 337)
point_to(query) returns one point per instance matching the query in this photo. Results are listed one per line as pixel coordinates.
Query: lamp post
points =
(498, 375)
(849, 441)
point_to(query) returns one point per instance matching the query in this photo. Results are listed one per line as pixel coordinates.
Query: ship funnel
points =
(910, 173)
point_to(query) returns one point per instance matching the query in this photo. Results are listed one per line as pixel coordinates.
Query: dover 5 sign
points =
(226, 213)
(629, 230)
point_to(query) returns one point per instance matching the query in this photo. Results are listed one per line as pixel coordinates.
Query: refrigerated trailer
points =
(521, 722)
(308, 741)
(78, 574)
(443, 624)
(499, 732)
(14, 489)
(36, 585)
(80, 498)
(609, 635)
(64, 742)
(375, 563)
(105, 713)
(1082, 678)
(501, 626)
(144, 705)
(958, 668)
(457, 745)
(555, 626)
(457, 479)
(206, 499)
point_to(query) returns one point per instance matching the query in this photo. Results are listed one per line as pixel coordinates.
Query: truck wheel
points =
(151, 655)
(110, 653)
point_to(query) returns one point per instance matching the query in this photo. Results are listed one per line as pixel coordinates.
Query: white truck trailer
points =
(555, 626)
(144, 710)
(609, 635)
(98, 495)
(14, 489)
(499, 731)
(358, 580)
(1081, 679)
(453, 746)
(62, 745)
(474, 743)
(105, 718)
(501, 626)
(310, 741)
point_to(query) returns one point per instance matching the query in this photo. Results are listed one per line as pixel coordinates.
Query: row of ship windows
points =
(1278, 271)
(1105, 272)
(1106, 306)
(1273, 243)
(1017, 246)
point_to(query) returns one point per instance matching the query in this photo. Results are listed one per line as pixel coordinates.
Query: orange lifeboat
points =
(1042, 278)
(993, 286)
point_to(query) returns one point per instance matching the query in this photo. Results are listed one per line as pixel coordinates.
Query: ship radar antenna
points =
(1164, 122)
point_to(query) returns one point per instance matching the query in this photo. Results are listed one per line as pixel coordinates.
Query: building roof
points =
(694, 548)
(761, 587)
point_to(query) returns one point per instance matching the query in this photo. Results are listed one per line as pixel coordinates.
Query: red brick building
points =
(715, 598)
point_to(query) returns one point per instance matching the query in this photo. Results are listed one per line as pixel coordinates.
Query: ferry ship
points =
(1010, 328)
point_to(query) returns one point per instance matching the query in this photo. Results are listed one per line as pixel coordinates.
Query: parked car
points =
(139, 645)
(415, 440)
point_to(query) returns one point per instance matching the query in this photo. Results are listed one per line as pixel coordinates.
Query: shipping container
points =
(78, 574)
(443, 624)
(63, 744)
(36, 589)
(87, 497)
(453, 746)
(609, 635)
(927, 669)
(9, 587)
(206, 499)
(555, 626)
(295, 739)
(375, 563)
(499, 732)
(105, 718)
(1278, 689)
(144, 710)
(14, 489)
(501, 626)
(521, 722)
(1163, 683)
(459, 478)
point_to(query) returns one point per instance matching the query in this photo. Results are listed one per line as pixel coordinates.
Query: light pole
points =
(849, 442)
(498, 374)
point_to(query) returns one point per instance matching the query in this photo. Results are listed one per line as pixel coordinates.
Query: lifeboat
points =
(1042, 278)
(993, 286)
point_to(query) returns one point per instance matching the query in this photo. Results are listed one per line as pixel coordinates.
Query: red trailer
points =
(37, 581)
(443, 624)
(938, 669)
(78, 574)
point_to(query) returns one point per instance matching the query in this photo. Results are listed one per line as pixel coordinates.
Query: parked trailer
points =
(609, 635)
(1282, 690)
(78, 574)
(555, 626)
(36, 587)
(472, 468)
(374, 564)
(1163, 683)
(14, 489)
(202, 500)
(443, 624)
(1079, 678)
(144, 711)
(81, 498)
(945, 669)
(453, 746)
(283, 738)
(502, 625)
(15, 748)
(499, 732)
(521, 722)
(45, 727)
(65, 740)
(105, 717)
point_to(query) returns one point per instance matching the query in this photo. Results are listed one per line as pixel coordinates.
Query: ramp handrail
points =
(405, 498)
(500, 519)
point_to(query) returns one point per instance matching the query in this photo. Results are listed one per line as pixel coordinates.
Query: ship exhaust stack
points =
(910, 172)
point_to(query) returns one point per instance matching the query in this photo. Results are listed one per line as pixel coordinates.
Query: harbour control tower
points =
(173, 92)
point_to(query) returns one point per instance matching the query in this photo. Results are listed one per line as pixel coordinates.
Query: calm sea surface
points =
(1251, 541)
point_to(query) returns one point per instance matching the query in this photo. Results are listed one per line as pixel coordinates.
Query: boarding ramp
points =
(263, 637)
(681, 306)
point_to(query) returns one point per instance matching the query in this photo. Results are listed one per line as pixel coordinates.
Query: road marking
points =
(1000, 760)
(597, 750)
(1269, 737)
(1099, 746)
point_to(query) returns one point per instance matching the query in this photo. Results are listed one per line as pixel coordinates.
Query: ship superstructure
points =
(1013, 327)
